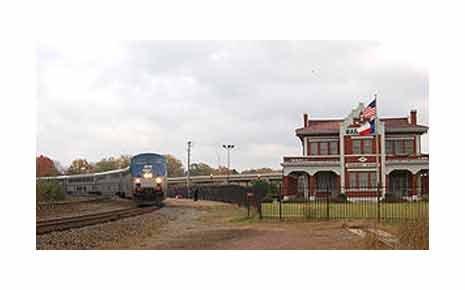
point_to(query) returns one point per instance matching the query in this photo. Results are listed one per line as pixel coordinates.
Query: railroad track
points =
(58, 203)
(65, 223)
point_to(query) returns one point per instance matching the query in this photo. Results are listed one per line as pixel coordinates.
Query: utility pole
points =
(189, 145)
(228, 148)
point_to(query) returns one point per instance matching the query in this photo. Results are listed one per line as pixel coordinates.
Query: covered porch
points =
(302, 185)
(404, 183)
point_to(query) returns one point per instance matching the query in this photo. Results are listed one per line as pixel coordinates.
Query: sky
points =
(98, 99)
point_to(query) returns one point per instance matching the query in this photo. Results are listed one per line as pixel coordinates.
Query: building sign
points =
(351, 131)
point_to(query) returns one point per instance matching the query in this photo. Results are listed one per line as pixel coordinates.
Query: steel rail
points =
(72, 202)
(65, 223)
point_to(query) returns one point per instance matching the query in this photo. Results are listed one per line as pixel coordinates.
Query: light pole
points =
(228, 148)
(189, 145)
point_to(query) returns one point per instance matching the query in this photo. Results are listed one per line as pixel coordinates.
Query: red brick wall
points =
(289, 185)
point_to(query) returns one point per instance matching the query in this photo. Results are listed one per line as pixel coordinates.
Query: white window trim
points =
(363, 137)
(322, 139)
(399, 138)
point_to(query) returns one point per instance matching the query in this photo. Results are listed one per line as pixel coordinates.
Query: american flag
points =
(370, 111)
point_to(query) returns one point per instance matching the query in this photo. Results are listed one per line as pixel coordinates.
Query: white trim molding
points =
(310, 170)
(414, 166)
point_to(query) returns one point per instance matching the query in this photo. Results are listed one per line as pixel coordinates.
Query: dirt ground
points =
(206, 225)
(210, 225)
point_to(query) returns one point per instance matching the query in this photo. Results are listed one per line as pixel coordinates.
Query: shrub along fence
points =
(366, 203)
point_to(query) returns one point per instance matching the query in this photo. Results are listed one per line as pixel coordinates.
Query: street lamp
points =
(228, 148)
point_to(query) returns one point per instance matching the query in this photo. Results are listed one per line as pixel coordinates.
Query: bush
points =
(392, 197)
(340, 198)
(295, 199)
(263, 190)
(49, 190)
(267, 198)
(264, 187)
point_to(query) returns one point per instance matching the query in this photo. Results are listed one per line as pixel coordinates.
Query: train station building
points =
(336, 159)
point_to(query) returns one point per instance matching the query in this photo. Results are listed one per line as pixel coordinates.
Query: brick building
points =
(337, 160)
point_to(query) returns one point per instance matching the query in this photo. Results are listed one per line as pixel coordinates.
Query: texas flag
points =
(367, 128)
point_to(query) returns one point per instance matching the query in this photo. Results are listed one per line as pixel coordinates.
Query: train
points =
(144, 180)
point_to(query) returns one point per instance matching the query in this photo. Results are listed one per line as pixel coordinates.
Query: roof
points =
(148, 154)
(85, 174)
(322, 126)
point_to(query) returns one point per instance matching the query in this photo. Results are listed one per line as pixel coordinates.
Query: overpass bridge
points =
(242, 179)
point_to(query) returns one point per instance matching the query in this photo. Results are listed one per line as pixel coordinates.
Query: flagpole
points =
(378, 177)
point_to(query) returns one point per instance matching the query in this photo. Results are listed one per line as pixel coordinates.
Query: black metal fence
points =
(229, 193)
(402, 203)
(366, 203)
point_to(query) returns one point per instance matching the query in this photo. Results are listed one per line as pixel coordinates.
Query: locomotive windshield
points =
(148, 163)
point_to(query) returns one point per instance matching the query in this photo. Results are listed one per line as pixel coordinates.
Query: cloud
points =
(108, 98)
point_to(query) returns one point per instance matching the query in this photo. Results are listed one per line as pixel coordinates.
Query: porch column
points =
(311, 185)
(386, 184)
(285, 185)
(292, 185)
(414, 184)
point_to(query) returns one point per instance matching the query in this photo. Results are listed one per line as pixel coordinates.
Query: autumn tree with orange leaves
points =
(45, 167)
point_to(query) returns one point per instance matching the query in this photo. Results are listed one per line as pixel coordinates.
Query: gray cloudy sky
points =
(99, 99)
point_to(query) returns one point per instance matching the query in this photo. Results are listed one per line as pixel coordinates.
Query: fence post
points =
(327, 201)
(378, 206)
(248, 204)
(280, 205)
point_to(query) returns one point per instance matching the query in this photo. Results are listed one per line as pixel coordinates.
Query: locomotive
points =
(144, 181)
(149, 176)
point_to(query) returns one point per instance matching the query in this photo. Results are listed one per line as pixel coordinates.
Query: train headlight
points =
(158, 180)
(137, 180)
(147, 175)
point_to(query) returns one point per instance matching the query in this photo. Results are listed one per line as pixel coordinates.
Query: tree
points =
(80, 166)
(258, 171)
(201, 169)
(105, 164)
(123, 161)
(59, 167)
(222, 170)
(45, 167)
(112, 163)
(174, 165)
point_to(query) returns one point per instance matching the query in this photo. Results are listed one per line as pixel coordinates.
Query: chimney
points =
(413, 117)
(305, 120)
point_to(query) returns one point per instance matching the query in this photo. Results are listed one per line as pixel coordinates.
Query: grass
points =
(414, 235)
(410, 234)
(404, 210)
